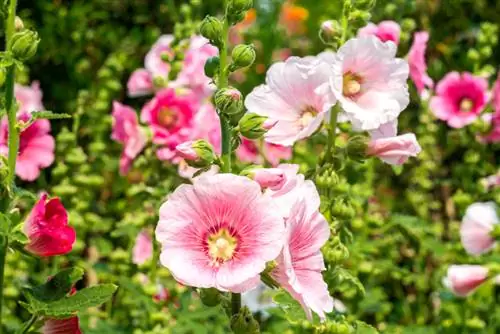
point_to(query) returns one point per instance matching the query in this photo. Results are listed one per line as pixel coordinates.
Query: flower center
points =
(167, 117)
(466, 105)
(221, 246)
(352, 84)
(308, 115)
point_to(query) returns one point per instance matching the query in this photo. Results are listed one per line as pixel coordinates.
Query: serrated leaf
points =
(59, 286)
(46, 114)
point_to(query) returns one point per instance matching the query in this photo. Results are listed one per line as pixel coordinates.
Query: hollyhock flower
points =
(126, 130)
(192, 75)
(143, 248)
(272, 178)
(219, 232)
(384, 31)
(369, 82)
(47, 229)
(293, 18)
(477, 224)
(416, 60)
(62, 326)
(462, 280)
(170, 117)
(140, 83)
(496, 96)
(492, 181)
(494, 118)
(460, 98)
(394, 150)
(153, 61)
(248, 151)
(294, 97)
(206, 125)
(276, 153)
(162, 294)
(300, 263)
(188, 172)
(29, 98)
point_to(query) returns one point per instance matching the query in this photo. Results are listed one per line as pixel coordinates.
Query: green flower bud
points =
(239, 6)
(359, 16)
(365, 4)
(343, 210)
(235, 17)
(210, 297)
(244, 323)
(495, 234)
(356, 148)
(243, 56)
(24, 44)
(197, 153)
(330, 31)
(253, 126)
(3, 76)
(212, 66)
(211, 28)
(229, 101)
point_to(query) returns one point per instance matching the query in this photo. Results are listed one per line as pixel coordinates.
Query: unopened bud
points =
(212, 66)
(330, 31)
(253, 126)
(244, 323)
(24, 44)
(210, 297)
(272, 178)
(365, 4)
(360, 16)
(211, 28)
(240, 5)
(356, 148)
(343, 210)
(18, 24)
(243, 56)
(197, 153)
(229, 101)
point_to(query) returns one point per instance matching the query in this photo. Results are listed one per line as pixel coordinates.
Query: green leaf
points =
(364, 328)
(46, 114)
(23, 193)
(4, 224)
(19, 237)
(59, 286)
(342, 276)
(292, 309)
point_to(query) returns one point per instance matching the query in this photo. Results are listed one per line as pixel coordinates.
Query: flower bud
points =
(197, 153)
(365, 4)
(360, 16)
(330, 31)
(211, 28)
(229, 101)
(272, 178)
(212, 66)
(343, 210)
(244, 323)
(462, 280)
(253, 126)
(24, 44)
(18, 24)
(356, 148)
(243, 56)
(210, 297)
(239, 6)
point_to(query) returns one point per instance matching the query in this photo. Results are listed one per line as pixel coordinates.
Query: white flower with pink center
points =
(370, 82)
(294, 97)
(219, 232)
(477, 225)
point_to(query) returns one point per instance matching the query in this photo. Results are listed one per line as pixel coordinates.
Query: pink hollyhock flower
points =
(188, 172)
(384, 31)
(394, 150)
(276, 153)
(140, 83)
(186, 151)
(170, 117)
(192, 75)
(207, 126)
(300, 263)
(460, 98)
(62, 326)
(272, 178)
(36, 147)
(294, 97)
(219, 232)
(47, 229)
(496, 97)
(462, 280)
(477, 224)
(248, 151)
(153, 61)
(370, 82)
(126, 130)
(143, 248)
(492, 181)
(29, 98)
(416, 60)
(494, 119)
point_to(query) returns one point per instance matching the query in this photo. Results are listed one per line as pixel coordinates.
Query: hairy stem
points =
(332, 133)
(27, 325)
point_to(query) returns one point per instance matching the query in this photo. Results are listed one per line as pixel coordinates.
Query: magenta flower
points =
(153, 61)
(384, 31)
(248, 151)
(416, 60)
(494, 118)
(170, 117)
(140, 83)
(62, 326)
(295, 96)
(47, 229)
(394, 150)
(477, 224)
(126, 130)
(460, 98)
(219, 232)
(29, 98)
(462, 280)
(143, 248)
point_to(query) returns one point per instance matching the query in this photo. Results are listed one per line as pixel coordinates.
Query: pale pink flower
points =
(416, 60)
(495, 101)
(494, 119)
(276, 153)
(170, 117)
(492, 181)
(462, 280)
(286, 196)
(295, 97)
(153, 61)
(248, 151)
(186, 151)
(127, 131)
(61, 326)
(207, 126)
(272, 178)
(140, 83)
(384, 31)
(143, 248)
(477, 224)
(29, 98)
(219, 232)
(460, 98)
(188, 172)
(394, 150)
(370, 82)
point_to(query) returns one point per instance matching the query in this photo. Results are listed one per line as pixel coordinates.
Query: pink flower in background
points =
(47, 228)
(248, 152)
(295, 97)
(495, 101)
(140, 83)
(462, 280)
(276, 153)
(492, 181)
(370, 82)
(416, 60)
(477, 224)
(272, 178)
(170, 117)
(29, 98)
(126, 130)
(188, 172)
(460, 98)
(61, 326)
(219, 232)
(394, 150)
(494, 119)
(207, 126)
(143, 248)
(153, 61)
(384, 31)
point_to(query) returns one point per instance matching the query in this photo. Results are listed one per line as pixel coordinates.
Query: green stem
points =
(4, 242)
(223, 83)
(345, 24)
(235, 303)
(332, 132)
(28, 324)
